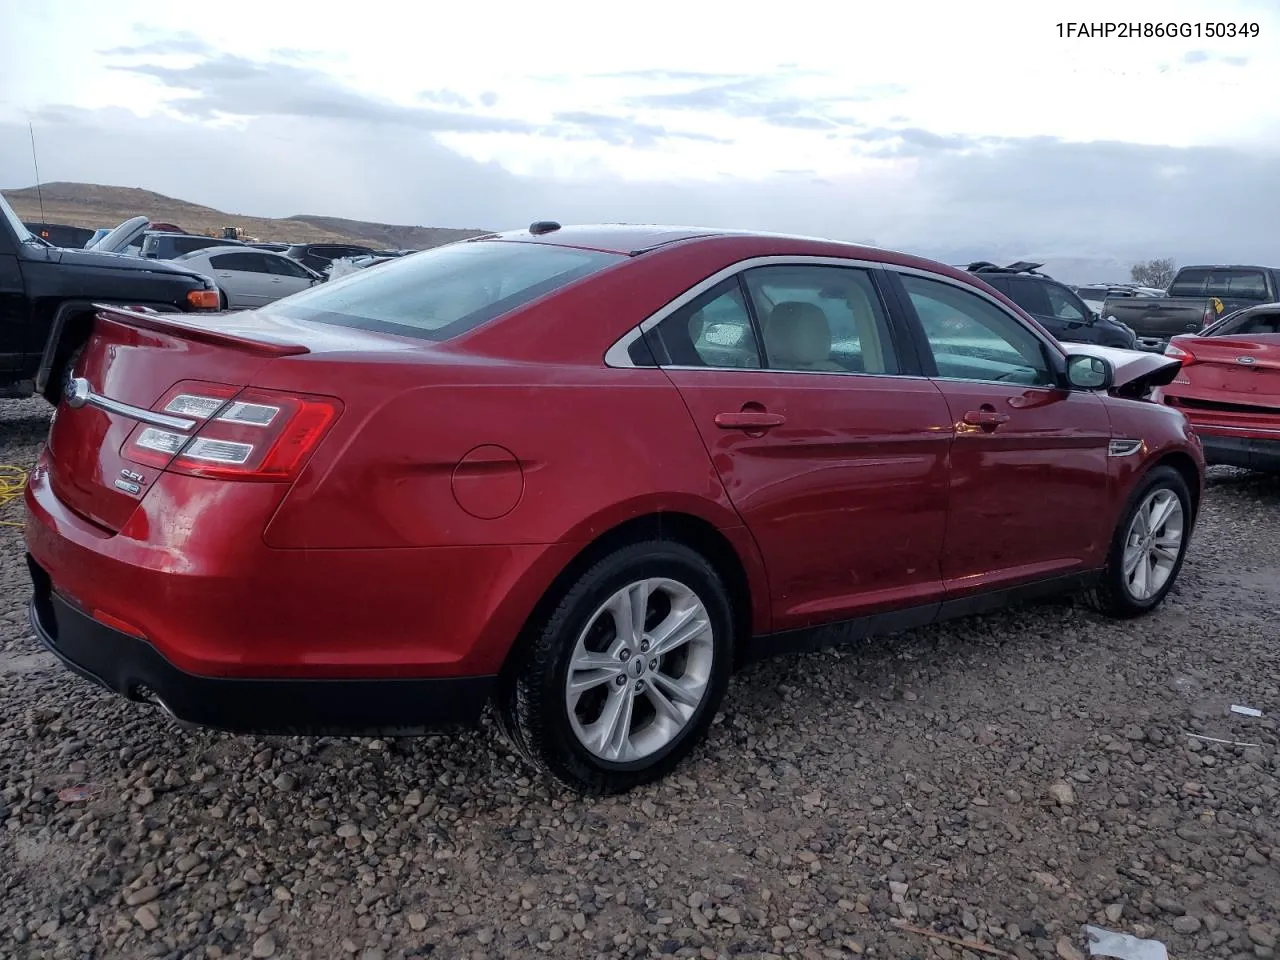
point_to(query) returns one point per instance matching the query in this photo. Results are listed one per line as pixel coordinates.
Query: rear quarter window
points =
(446, 291)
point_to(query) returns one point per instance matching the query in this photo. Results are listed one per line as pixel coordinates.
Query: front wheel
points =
(1148, 547)
(623, 678)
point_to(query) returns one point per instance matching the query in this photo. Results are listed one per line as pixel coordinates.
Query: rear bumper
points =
(135, 669)
(1253, 453)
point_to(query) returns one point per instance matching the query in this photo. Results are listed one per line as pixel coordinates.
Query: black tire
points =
(531, 706)
(1112, 596)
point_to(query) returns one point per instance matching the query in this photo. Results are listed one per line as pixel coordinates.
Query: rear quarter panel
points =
(558, 455)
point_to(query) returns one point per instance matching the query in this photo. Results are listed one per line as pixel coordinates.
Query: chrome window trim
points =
(617, 355)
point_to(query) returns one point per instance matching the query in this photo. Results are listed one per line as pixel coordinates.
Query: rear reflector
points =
(248, 434)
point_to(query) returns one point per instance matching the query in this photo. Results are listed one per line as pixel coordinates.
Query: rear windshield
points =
(440, 293)
(1189, 283)
(1238, 285)
(1246, 324)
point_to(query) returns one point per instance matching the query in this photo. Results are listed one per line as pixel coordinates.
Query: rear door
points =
(245, 278)
(1029, 477)
(831, 451)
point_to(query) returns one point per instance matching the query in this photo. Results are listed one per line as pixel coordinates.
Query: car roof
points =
(630, 238)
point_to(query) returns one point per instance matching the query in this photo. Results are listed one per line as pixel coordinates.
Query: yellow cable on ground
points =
(13, 480)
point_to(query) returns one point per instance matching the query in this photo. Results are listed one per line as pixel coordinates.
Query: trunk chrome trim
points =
(78, 394)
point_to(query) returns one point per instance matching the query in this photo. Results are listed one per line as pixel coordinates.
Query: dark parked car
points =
(170, 246)
(1058, 308)
(47, 297)
(1197, 297)
(318, 256)
(1229, 387)
(535, 484)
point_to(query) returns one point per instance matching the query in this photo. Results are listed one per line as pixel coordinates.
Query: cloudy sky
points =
(923, 125)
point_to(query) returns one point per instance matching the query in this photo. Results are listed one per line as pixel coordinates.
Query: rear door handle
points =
(988, 420)
(749, 420)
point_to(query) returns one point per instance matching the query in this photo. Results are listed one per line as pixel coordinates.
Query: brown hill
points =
(93, 205)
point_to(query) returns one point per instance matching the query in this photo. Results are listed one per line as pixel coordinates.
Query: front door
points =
(1029, 476)
(835, 461)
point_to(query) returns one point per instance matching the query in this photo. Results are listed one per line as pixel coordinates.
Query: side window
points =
(821, 319)
(712, 331)
(1031, 296)
(243, 262)
(1250, 325)
(973, 339)
(284, 267)
(1238, 285)
(1063, 303)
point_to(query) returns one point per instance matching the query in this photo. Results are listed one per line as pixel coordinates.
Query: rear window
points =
(1246, 324)
(444, 292)
(1189, 283)
(1238, 285)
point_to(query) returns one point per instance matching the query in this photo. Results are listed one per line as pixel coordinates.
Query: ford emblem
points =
(1246, 359)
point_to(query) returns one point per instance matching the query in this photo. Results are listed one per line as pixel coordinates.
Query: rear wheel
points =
(1148, 547)
(624, 676)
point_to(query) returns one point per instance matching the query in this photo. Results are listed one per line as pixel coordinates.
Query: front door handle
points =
(749, 420)
(988, 420)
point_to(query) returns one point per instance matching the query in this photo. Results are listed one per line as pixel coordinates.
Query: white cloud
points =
(918, 123)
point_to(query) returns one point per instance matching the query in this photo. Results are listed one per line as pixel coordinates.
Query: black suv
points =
(170, 246)
(1058, 308)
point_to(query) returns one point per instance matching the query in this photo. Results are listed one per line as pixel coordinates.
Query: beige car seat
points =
(798, 337)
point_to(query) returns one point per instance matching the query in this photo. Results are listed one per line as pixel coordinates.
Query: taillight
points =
(1183, 355)
(235, 434)
(1208, 317)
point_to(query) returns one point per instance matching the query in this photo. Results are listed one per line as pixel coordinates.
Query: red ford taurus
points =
(1229, 387)
(582, 473)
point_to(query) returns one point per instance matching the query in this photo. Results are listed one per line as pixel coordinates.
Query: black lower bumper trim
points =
(1248, 452)
(134, 669)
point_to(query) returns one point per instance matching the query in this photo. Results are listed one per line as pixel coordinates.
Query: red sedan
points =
(581, 473)
(1229, 387)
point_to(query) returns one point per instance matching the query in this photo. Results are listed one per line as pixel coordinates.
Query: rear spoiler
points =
(232, 333)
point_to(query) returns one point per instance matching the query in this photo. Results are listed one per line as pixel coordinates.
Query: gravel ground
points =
(1002, 780)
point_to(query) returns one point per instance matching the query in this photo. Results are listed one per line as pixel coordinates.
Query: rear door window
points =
(284, 267)
(444, 292)
(821, 318)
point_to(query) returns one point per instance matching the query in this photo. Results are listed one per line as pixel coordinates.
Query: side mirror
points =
(1085, 372)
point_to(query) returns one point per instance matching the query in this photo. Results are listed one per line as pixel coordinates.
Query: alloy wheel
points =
(639, 670)
(1153, 544)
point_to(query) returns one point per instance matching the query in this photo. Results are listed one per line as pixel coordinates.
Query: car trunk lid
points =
(131, 375)
(1239, 370)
